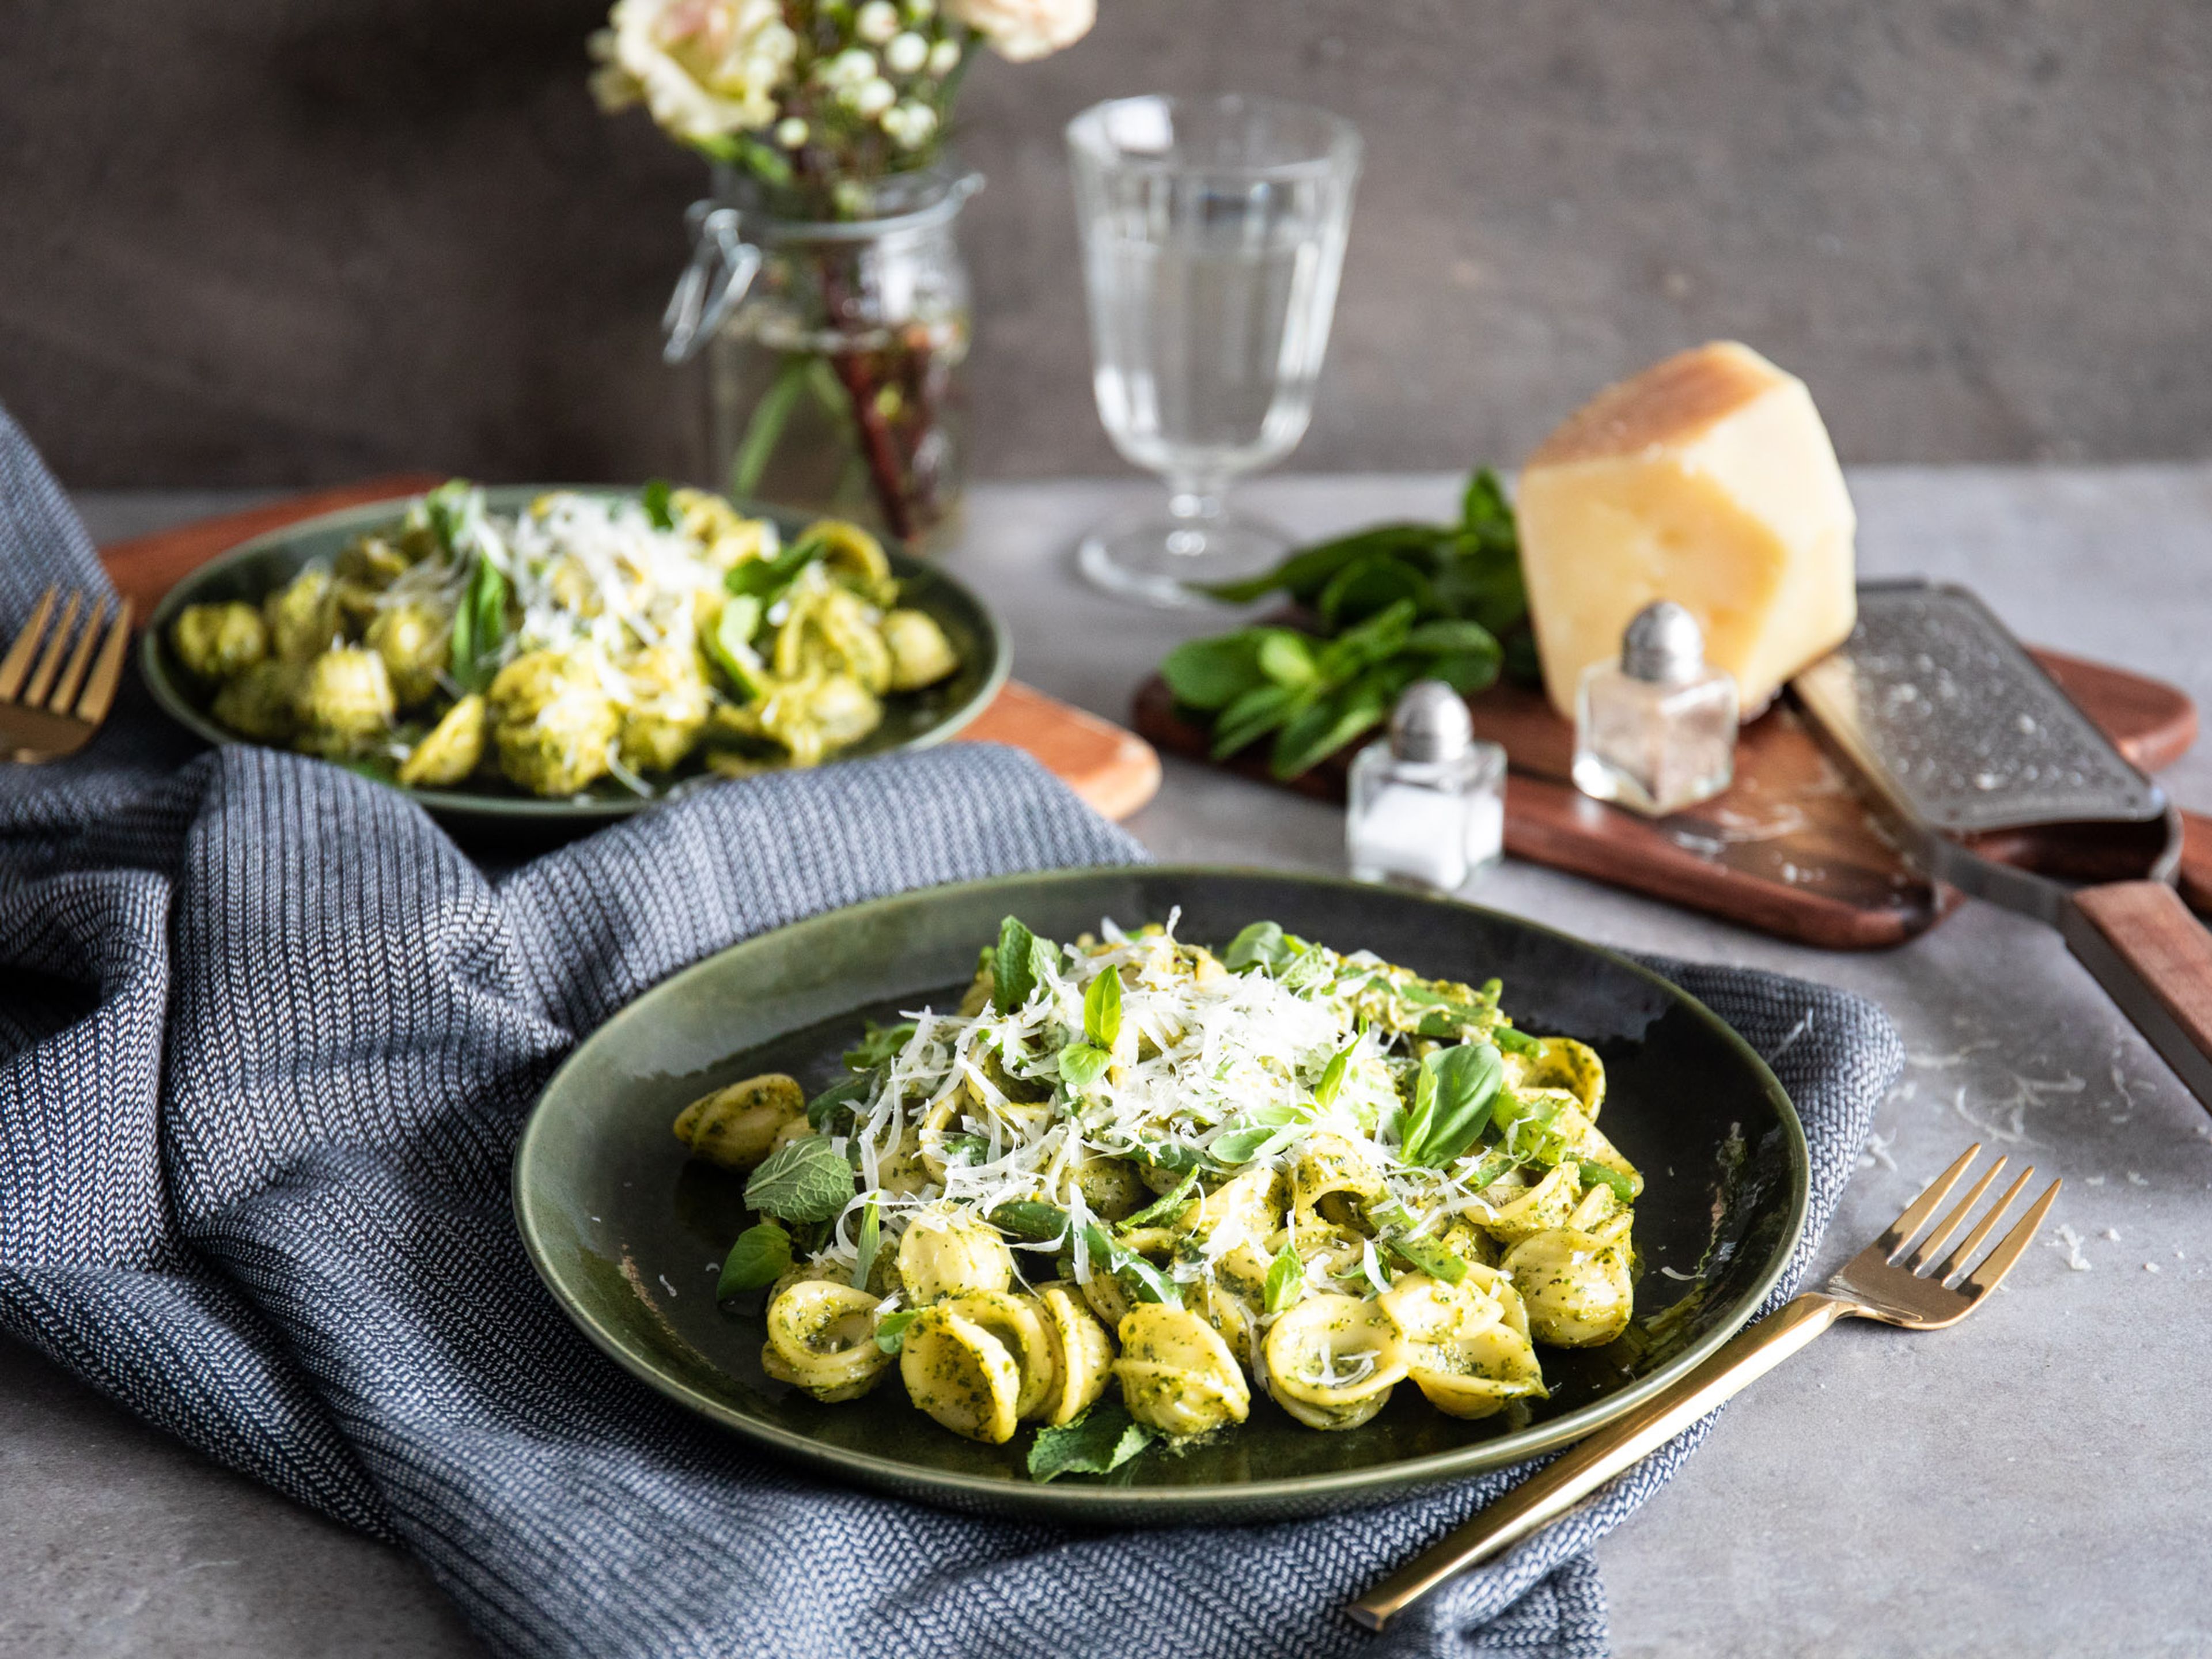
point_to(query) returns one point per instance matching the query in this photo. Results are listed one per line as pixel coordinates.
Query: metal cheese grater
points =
(1956, 731)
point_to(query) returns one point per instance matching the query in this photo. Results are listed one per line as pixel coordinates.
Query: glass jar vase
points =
(835, 353)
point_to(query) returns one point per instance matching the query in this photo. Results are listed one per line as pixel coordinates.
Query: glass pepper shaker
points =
(1428, 804)
(1655, 732)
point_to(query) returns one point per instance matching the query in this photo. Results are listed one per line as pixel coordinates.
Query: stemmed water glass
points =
(1213, 232)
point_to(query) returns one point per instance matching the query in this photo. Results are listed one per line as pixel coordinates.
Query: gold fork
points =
(1872, 1287)
(53, 708)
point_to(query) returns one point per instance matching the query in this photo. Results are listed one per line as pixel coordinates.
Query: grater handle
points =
(2143, 946)
(2194, 876)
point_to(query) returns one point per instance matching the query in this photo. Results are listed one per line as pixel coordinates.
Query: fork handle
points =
(1575, 1474)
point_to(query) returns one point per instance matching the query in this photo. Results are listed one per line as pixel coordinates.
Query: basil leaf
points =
(1102, 1439)
(1015, 966)
(1210, 674)
(1102, 1008)
(760, 1257)
(1082, 1065)
(821, 1111)
(653, 498)
(1258, 1134)
(766, 579)
(891, 1329)
(1286, 657)
(1143, 1280)
(878, 1046)
(1453, 1101)
(1597, 1175)
(1162, 1206)
(1261, 945)
(1332, 1079)
(1286, 1276)
(1430, 1257)
(803, 1179)
(870, 1243)
(1319, 731)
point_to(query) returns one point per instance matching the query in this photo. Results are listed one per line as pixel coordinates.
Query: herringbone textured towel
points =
(266, 1038)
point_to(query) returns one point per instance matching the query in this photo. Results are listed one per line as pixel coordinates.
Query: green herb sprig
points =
(1394, 604)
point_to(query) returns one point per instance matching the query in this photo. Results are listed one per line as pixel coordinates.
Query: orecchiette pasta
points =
(821, 1336)
(590, 636)
(1177, 1374)
(1132, 1166)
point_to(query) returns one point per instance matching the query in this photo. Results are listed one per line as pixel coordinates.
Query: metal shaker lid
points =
(1431, 723)
(1663, 644)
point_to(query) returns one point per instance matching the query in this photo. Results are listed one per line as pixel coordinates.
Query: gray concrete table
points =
(2029, 1483)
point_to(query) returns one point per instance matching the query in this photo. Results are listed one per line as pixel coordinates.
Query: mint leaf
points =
(871, 1240)
(803, 1179)
(1081, 1065)
(1102, 1008)
(891, 1329)
(760, 1257)
(1286, 1276)
(1103, 1438)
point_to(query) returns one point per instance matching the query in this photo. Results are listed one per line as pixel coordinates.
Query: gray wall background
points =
(278, 241)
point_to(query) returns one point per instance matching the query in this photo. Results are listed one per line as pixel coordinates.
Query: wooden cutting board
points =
(1112, 770)
(1788, 849)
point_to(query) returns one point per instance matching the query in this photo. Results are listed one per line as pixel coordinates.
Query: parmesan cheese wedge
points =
(1707, 479)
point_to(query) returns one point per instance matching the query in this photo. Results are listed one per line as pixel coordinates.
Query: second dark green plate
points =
(629, 1234)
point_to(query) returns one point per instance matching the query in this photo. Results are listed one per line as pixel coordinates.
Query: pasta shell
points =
(1332, 1360)
(1013, 1319)
(1177, 1374)
(1083, 1354)
(1576, 1287)
(821, 1336)
(961, 1376)
(948, 1253)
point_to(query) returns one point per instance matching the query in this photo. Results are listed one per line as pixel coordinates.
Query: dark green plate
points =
(628, 1234)
(254, 568)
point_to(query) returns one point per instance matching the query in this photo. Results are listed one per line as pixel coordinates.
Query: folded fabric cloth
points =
(267, 1040)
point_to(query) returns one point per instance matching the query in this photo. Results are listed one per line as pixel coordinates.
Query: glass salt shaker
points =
(1428, 804)
(1655, 732)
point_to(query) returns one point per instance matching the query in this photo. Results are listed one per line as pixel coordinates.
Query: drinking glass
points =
(1214, 234)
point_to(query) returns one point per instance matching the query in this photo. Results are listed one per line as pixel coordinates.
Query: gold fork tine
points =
(80, 659)
(1956, 1263)
(42, 676)
(17, 662)
(100, 689)
(1916, 1213)
(1986, 1278)
(1956, 1219)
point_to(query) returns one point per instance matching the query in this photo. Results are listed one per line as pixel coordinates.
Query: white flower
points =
(849, 69)
(1019, 30)
(876, 21)
(910, 125)
(871, 98)
(704, 68)
(906, 53)
(790, 132)
(943, 58)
